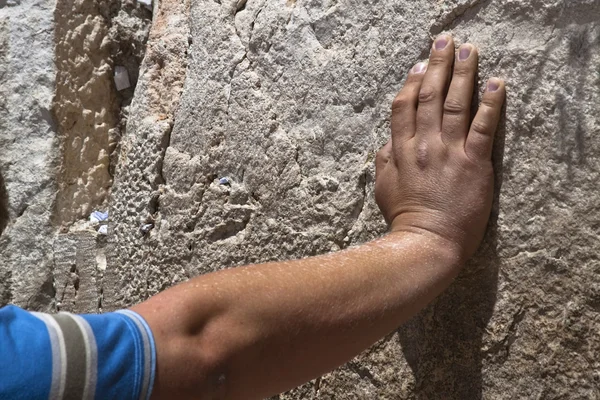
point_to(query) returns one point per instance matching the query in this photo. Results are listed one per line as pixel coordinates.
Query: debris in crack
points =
(98, 216)
(121, 78)
(126, 39)
(146, 3)
(146, 228)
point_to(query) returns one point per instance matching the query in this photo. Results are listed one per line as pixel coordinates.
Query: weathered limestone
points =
(140, 181)
(76, 282)
(289, 100)
(60, 123)
(93, 39)
(28, 152)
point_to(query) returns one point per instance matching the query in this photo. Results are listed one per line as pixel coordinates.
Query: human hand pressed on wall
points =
(435, 174)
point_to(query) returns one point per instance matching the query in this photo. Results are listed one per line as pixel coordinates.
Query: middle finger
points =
(435, 84)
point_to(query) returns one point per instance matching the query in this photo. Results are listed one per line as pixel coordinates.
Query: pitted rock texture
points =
(135, 195)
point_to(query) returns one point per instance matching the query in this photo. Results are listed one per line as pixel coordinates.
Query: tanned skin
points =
(255, 331)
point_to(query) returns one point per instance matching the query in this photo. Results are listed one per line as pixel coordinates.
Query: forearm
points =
(258, 330)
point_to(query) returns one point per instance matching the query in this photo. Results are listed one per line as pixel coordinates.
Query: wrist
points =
(440, 245)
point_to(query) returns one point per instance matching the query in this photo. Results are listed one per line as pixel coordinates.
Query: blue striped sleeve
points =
(126, 355)
(26, 356)
(90, 356)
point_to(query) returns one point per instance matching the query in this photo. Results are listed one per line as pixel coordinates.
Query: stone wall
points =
(60, 123)
(29, 152)
(289, 100)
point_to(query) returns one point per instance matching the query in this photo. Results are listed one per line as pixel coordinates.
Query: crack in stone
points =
(502, 348)
(6, 294)
(364, 373)
(317, 385)
(87, 107)
(241, 5)
(246, 48)
(449, 18)
(165, 144)
(53, 274)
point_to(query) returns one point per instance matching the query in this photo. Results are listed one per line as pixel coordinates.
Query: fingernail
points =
(419, 68)
(464, 52)
(441, 42)
(493, 85)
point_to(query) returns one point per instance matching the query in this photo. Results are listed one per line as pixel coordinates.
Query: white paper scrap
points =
(121, 78)
(146, 3)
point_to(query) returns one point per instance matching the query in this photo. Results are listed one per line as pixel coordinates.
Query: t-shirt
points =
(67, 356)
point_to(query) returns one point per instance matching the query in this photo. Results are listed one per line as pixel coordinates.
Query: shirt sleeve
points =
(67, 356)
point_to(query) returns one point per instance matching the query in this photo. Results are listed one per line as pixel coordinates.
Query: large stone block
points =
(28, 152)
(289, 100)
(60, 121)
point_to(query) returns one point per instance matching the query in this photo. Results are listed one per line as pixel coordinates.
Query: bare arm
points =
(254, 331)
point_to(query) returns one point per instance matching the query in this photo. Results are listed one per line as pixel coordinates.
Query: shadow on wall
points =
(571, 132)
(3, 204)
(443, 343)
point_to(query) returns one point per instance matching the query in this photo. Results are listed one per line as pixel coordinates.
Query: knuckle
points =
(383, 155)
(463, 71)
(422, 154)
(480, 127)
(438, 60)
(401, 102)
(454, 106)
(427, 94)
(489, 103)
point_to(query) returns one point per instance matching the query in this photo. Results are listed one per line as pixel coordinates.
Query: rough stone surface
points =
(290, 99)
(136, 192)
(28, 152)
(92, 37)
(60, 119)
(75, 272)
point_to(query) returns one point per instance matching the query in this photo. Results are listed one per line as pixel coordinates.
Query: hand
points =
(435, 175)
